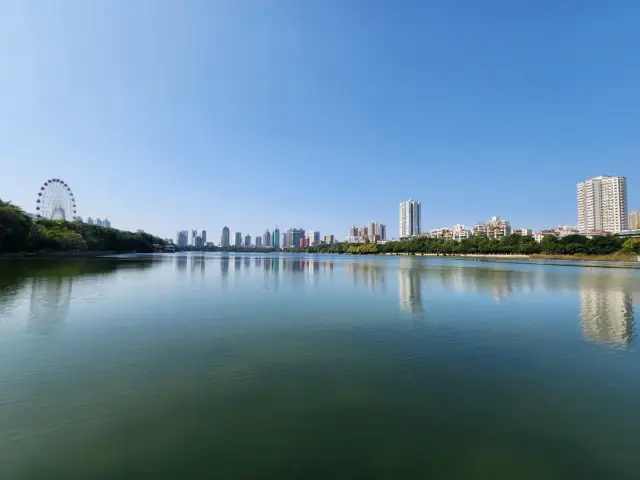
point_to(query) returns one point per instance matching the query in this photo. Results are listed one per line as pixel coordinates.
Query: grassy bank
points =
(614, 257)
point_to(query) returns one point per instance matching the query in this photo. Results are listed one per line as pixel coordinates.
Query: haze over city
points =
(166, 116)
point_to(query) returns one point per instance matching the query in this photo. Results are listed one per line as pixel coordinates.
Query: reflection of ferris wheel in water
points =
(56, 201)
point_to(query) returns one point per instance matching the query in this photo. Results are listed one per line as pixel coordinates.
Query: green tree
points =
(632, 245)
(15, 228)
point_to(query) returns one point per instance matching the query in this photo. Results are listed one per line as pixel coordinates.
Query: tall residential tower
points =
(602, 205)
(410, 218)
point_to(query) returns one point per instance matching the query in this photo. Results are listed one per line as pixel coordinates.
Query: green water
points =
(233, 367)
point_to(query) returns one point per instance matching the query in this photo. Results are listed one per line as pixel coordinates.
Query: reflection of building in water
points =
(237, 264)
(181, 263)
(198, 263)
(606, 309)
(247, 263)
(224, 267)
(409, 286)
(371, 274)
(50, 301)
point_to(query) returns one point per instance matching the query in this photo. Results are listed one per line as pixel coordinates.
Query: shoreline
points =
(59, 255)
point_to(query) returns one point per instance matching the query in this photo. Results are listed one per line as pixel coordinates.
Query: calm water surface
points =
(232, 367)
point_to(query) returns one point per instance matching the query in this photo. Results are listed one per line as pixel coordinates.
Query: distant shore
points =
(44, 255)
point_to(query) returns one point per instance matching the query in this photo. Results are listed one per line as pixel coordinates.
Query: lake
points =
(299, 366)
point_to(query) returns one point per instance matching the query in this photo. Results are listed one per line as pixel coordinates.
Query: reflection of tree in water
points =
(606, 308)
(50, 302)
(51, 282)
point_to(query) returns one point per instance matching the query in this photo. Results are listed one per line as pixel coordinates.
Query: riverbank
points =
(615, 257)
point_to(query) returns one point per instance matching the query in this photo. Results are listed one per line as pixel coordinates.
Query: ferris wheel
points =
(56, 201)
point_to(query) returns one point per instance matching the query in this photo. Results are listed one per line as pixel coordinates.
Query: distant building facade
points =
(634, 220)
(293, 236)
(266, 239)
(276, 238)
(182, 238)
(225, 240)
(247, 241)
(238, 240)
(258, 242)
(314, 238)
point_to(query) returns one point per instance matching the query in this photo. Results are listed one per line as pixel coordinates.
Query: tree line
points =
(480, 245)
(21, 233)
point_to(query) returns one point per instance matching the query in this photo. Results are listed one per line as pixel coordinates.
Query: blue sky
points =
(166, 115)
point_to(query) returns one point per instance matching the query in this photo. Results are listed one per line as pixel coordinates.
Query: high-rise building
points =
(329, 239)
(602, 205)
(247, 241)
(284, 241)
(303, 242)
(258, 242)
(203, 235)
(275, 241)
(99, 222)
(182, 238)
(106, 223)
(194, 235)
(199, 242)
(371, 229)
(634, 220)
(89, 221)
(314, 238)
(363, 231)
(410, 218)
(225, 241)
(381, 231)
(353, 231)
(293, 236)
(238, 240)
(266, 239)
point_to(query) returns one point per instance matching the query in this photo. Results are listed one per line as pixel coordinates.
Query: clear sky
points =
(169, 115)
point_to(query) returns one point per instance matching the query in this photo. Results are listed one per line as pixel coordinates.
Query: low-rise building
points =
(566, 230)
(538, 236)
(494, 228)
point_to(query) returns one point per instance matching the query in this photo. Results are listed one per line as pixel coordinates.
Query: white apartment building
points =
(410, 216)
(495, 228)
(602, 205)
(457, 232)
(525, 232)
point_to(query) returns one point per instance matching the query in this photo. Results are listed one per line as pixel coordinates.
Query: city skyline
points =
(447, 117)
